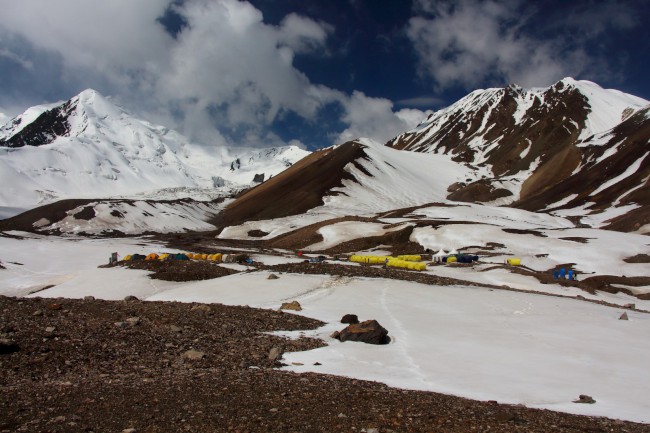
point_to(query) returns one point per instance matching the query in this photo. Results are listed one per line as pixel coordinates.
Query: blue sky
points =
(312, 73)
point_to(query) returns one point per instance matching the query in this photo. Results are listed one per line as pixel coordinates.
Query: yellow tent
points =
(151, 256)
(411, 258)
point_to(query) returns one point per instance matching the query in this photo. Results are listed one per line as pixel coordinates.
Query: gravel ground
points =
(132, 366)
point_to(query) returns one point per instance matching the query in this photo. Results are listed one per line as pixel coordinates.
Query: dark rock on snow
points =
(370, 332)
(351, 319)
(583, 398)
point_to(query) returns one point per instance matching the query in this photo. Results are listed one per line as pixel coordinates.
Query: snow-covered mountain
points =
(511, 133)
(574, 150)
(571, 145)
(88, 147)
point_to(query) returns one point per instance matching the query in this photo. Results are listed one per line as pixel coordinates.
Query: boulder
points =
(583, 398)
(370, 332)
(272, 277)
(350, 319)
(293, 305)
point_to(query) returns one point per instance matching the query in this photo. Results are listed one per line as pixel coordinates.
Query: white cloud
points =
(224, 78)
(228, 56)
(108, 36)
(375, 118)
(471, 41)
(303, 34)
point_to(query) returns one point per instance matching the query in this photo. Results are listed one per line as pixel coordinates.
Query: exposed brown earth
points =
(479, 191)
(332, 268)
(100, 366)
(52, 212)
(639, 258)
(631, 138)
(180, 270)
(607, 283)
(294, 191)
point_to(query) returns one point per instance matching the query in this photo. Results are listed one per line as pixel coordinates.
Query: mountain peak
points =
(88, 95)
(523, 143)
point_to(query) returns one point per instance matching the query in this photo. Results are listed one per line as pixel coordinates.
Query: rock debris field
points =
(131, 366)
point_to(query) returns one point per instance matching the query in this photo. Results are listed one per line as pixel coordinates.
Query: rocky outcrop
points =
(369, 331)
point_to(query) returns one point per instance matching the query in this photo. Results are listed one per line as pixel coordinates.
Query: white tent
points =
(437, 257)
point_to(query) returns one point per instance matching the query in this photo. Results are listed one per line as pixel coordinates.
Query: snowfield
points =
(488, 344)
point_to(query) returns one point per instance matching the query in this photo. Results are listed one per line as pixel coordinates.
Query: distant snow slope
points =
(88, 147)
(136, 217)
(390, 179)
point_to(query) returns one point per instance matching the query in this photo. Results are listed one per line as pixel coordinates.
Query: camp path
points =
(399, 336)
